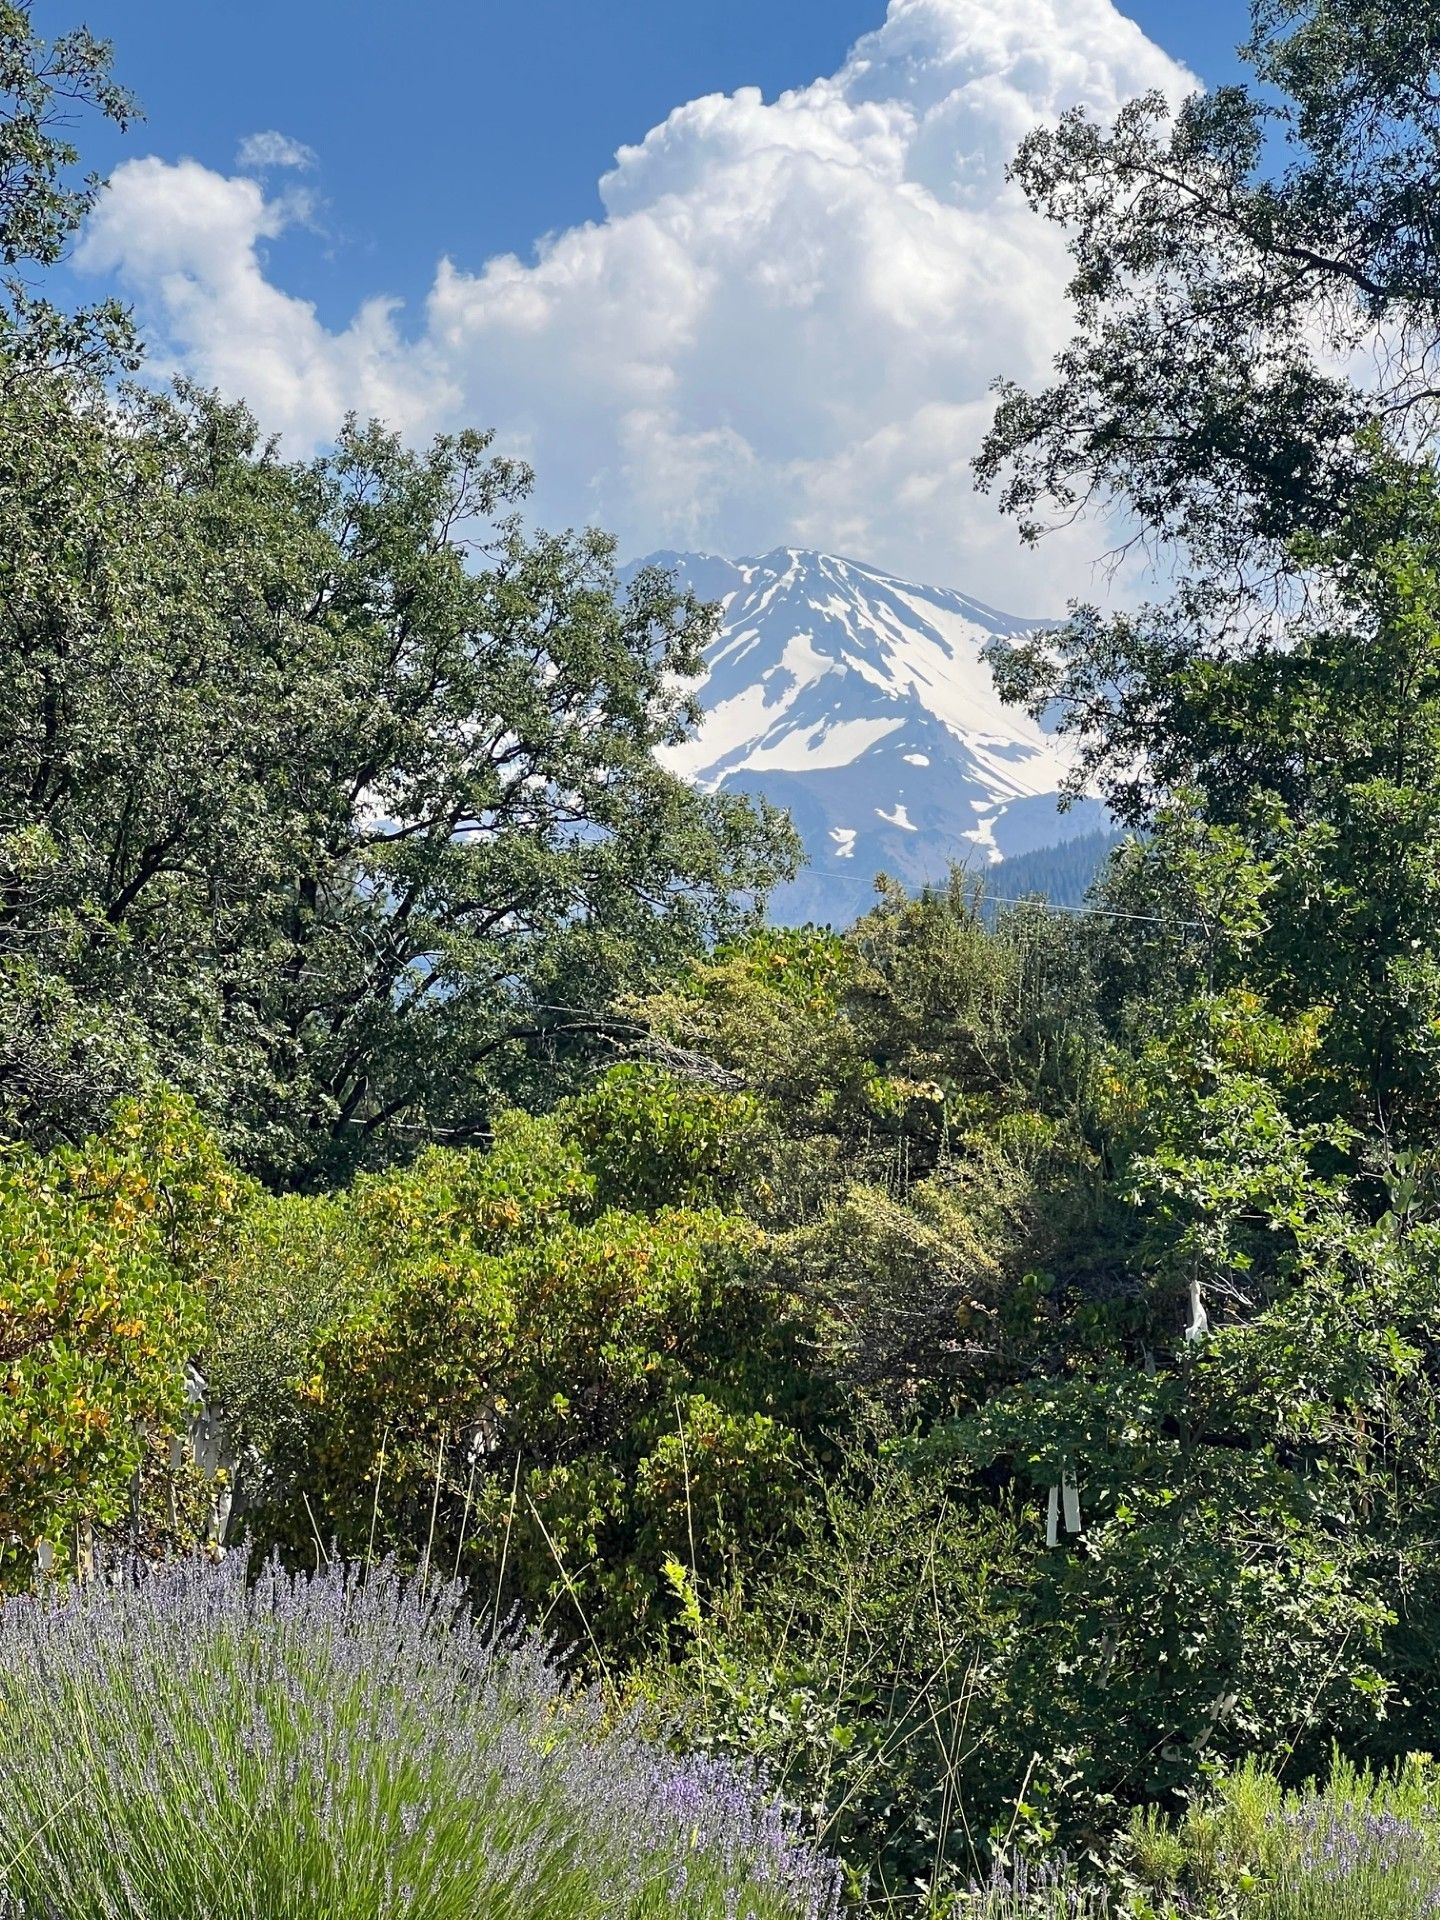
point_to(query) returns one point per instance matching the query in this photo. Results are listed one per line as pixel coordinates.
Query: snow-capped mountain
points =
(861, 703)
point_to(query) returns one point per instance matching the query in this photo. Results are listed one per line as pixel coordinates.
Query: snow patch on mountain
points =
(850, 696)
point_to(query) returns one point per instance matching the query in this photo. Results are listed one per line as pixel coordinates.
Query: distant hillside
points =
(1064, 873)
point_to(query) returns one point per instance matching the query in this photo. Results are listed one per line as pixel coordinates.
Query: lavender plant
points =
(1048, 1890)
(1364, 1846)
(1353, 1860)
(188, 1745)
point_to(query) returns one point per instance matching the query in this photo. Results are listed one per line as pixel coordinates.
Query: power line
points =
(858, 880)
(1109, 913)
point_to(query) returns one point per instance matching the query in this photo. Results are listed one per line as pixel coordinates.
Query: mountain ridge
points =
(860, 701)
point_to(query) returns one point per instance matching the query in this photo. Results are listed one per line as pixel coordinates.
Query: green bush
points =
(1360, 1844)
(105, 1250)
(525, 1365)
(863, 1672)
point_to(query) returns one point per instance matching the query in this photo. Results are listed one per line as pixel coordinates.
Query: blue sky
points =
(451, 126)
(469, 130)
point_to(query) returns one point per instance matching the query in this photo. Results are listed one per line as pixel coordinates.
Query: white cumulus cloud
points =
(783, 330)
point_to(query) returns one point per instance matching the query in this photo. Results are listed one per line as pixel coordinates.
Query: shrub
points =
(339, 1746)
(103, 1251)
(863, 1674)
(1364, 1844)
(652, 1141)
(483, 1358)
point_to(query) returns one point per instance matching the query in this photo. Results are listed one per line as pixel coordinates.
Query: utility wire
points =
(1109, 913)
(1048, 906)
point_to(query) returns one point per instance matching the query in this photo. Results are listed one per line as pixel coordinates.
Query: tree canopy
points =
(326, 786)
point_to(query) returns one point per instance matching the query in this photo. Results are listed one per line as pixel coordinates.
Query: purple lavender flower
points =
(187, 1743)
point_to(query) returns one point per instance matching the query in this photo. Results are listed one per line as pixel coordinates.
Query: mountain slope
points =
(860, 702)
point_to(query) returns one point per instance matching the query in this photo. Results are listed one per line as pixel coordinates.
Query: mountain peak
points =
(860, 701)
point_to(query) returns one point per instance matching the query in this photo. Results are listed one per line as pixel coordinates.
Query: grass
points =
(337, 1748)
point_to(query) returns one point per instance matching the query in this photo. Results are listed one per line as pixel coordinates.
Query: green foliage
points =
(652, 1142)
(769, 1012)
(43, 86)
(930, 1086)
(878, 1045)
(104, 1252)
(1256, 1503)
(1257, 1497)
(1250, 1494)
(329, 824)
(862, 1673)
(41, 83)
(1284, 694)
(1360, 1843)
(1229, 258)
(516, 1364)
